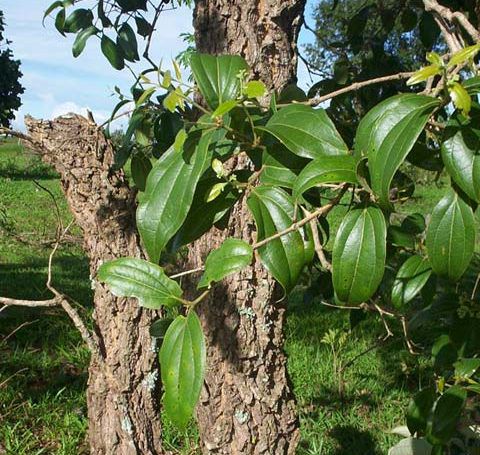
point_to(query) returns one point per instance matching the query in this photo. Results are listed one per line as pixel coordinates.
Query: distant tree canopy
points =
(360, 40)
(10, 74)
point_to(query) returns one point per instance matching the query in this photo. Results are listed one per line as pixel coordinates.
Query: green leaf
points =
(423, 74)
(53, 6)
(81, 40)
(132, 5)
(328, 169)
(399, 237)
(305, 131)
(169, 194)
(280, 166)
(144, 28)
(225, 107)
(140, 168)
(112, 52)
(419, 409)
(159, 328)
(387, 134)
(145, 96)
(414, 223)
(147, 282)
(128, 42)
(77, 20)
(434, 58)
(450, 237)
(359, 251)
(60, 21)
(466, 368)
(232, 256)
(461, 154)
(255, 89)
(445, 413)
(216, 191)
(182, 367)
(463, 55)
(460, 97)
(444, 354)
(411, 277)
(284, 257)
(216, 76)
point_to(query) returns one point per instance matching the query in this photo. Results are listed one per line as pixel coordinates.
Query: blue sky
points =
(56, 83)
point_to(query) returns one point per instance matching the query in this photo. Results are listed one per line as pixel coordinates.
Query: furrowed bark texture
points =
(123, 387)
(247, 405)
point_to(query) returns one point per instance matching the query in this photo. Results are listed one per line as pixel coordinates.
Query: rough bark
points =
(247, 405)
(123, 389)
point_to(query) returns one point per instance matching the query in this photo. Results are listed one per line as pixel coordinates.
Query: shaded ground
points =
(43, 364)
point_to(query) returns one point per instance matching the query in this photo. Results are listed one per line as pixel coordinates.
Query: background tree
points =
(10, 87)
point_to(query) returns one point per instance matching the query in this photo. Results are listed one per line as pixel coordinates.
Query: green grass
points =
(43, 365)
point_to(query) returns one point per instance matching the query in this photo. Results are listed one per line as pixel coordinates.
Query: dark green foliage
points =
(10, 74)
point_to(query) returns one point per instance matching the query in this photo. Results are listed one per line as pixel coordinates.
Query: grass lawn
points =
(43, 365)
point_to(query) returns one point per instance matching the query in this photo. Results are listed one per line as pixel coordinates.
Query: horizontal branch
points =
(357, 86)
(30, 303)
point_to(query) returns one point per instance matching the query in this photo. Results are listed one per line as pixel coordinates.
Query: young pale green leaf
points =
(305, 131)
(411, 277)
(224, 108)
(461, 154)
(328, 169)
(232, 256)
(145, 96)
(387, 134)
(284, 257)
(167, 79)
(434, 58)
(216, 191)
(112, 52)
(216, 76)
(460, 97)
(444, 416)
(423, 74)
(359, 252)
(171, 101)
(168, 195)
(466, 368)
(81, 40)
(147, 282)
(182, 367)
(419, 409)
(127, 40)
(463, 55)
(450, 237)
(255, 89)
(140, 168)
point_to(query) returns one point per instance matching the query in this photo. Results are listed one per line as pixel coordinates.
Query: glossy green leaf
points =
(446, 411)
(77, 20)
(387, 134)
(411, 277)
(112, 52)
(147, 282)
(81, 40)
(305, 131)
(399, 237)
(284, 257)
(461, 154)
(359, 252)
(463, 55)
(232, 256)
(140, 167)
(182, 367)
(127, 40)
(280, 166)
(328, 169)
(60, 21)
(434, 58)
(168, 195)
(419, 409)
(216, 76)
(51, 8)
(450, 238)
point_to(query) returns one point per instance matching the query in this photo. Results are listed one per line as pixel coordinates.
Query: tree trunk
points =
(123, 387)
(247, 405)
